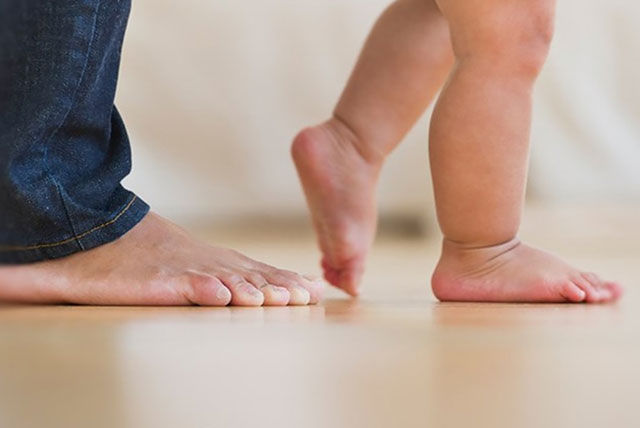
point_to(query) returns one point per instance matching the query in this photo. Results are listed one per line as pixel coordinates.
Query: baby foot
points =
(156, 263)
(514, 272)
(339, 184)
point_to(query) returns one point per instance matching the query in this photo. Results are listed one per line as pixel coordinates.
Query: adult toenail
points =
(299, 294)
(223, 293)
(252, 290)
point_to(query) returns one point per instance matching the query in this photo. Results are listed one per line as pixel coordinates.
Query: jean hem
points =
(119, 224)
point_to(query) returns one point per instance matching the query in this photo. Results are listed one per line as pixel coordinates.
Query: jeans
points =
(63, 145)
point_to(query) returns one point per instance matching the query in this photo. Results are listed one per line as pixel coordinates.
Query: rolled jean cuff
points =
(117, 225)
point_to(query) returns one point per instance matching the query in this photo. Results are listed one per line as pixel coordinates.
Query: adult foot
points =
(156, 263)
(514, 272)
(339, 183)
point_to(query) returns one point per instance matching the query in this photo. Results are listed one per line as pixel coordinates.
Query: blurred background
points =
(214, 91)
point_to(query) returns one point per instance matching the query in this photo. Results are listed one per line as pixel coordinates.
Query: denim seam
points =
(66, 212)
(45, 157)
(6, 248)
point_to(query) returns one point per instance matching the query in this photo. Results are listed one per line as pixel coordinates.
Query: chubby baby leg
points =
(403, 64)
(479, 151)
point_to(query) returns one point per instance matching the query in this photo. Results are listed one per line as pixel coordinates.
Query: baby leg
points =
(403, 64)
(479, 151)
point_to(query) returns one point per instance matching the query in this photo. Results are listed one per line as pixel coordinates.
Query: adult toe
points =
(275, 296)
(206, 290)
(243, 293)
(294, 283)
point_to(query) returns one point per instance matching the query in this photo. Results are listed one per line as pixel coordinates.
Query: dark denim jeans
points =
(63, 146)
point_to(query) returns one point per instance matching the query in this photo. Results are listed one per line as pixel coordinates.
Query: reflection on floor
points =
(394, 358)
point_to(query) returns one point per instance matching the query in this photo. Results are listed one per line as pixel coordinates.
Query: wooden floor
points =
(394, 358)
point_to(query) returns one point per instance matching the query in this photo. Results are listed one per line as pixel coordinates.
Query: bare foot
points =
(156, 263)
(339, 183)
(514, 272)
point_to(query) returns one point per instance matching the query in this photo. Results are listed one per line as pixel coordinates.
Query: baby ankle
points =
(344, 133)
(465, 253)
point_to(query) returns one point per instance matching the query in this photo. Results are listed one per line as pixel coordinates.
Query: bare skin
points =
(157, 263)
(339, 161)
(514, 272)
(345, 225)
(479, 143)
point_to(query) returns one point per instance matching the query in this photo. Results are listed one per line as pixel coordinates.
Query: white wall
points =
(213, 92)
(587, 123)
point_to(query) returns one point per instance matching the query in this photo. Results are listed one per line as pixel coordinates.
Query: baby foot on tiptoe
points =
(339, 184)
(514, 272)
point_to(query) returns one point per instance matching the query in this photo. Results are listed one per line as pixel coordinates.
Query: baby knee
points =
(515, 39)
